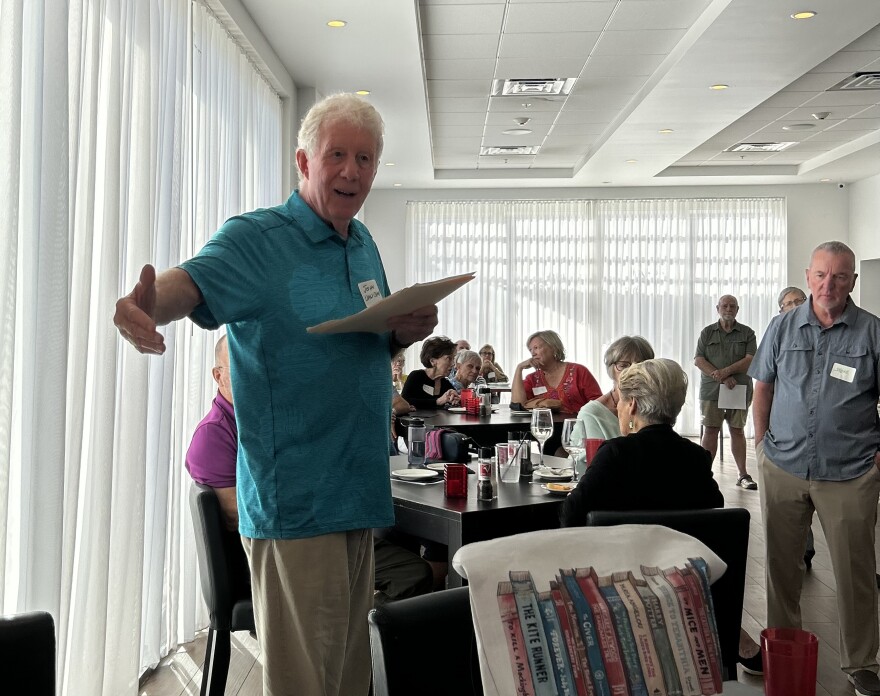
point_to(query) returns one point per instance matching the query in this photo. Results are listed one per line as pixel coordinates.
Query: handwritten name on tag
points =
(428, 389)
(537, 391)
(370, 292)
(843, 372)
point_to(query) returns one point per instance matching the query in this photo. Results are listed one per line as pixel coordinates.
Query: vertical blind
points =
(595, 270)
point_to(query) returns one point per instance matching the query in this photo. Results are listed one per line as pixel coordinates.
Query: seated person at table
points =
(651, 467)
(490, 369)
(562, 386)
(429, 388)
(599, 417)
(399, 407)
(211, 459)
(467, 370)
(398, 376)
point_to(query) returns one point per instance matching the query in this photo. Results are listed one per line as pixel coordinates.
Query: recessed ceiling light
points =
(606, 182)
(631, 161)
(362, 92)
(390, 164)
(798, 126)
(719, 87)
(517, 131)
(665, 131)
(804, 14)
(336, 23)
(397, 185)
(824, 181)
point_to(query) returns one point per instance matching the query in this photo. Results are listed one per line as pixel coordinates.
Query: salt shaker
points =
(486, 489)
(485, 402)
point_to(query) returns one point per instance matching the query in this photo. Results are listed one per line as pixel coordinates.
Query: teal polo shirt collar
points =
(315, 228)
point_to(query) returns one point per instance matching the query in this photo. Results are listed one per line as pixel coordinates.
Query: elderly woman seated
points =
(651, 467)
(467, 370)
(429, 388)
(490, 369)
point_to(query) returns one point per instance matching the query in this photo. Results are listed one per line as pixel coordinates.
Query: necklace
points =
(613, 398)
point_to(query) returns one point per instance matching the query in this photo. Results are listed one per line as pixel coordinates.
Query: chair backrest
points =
(726, 532)
(222, 563)
(27, 653)
(425, 645)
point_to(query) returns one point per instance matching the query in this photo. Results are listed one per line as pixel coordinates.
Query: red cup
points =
(790, 657)
(466, 395)
(591, 445)
(473, 407)
(455, 482)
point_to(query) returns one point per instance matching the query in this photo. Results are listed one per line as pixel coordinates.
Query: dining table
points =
(422, 510)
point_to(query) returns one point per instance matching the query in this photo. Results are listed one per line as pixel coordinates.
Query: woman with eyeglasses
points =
(398, 376)
(599, 417)
(790, 298)
(490, 370)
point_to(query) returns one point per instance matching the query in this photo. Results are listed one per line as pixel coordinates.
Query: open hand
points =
(134, 315)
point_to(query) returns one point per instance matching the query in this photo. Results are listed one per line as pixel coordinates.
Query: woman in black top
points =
(429, 388)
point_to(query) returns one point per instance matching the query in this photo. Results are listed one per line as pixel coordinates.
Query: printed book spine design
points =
(565, 684)
(632, 603)
(537, 648)
(661, 639)
(695, 589)
(625, 637)
(614, 669)
(692, 626)
(580, 669)
(704, 573)
(675, 629)
(587, 628)
(519, 662)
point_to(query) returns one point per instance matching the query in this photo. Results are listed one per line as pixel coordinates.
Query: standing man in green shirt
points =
(724, 353)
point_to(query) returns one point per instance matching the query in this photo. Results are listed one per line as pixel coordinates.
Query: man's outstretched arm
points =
(155, 301)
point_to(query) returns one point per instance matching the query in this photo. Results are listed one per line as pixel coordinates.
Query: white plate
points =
(552, 475)
(520, 413)
(414, 474)
(437, 466)
(457, 409)
(568, 488)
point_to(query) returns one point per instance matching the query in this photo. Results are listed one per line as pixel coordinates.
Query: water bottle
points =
(486, 484)
(416, 444)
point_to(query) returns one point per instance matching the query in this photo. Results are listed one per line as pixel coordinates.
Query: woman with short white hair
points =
(467, 369)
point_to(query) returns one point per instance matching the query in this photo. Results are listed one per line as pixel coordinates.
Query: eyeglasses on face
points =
(792, 303)
(621, 365)
(487, 353)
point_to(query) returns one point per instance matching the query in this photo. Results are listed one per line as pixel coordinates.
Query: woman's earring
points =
(631, 425)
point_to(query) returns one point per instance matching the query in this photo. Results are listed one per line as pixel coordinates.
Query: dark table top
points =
(501, 416)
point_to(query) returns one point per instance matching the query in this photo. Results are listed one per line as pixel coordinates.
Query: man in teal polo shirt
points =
(817, 437)
(313, 410)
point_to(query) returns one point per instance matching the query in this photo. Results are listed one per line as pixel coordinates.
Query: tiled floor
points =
(180, 673)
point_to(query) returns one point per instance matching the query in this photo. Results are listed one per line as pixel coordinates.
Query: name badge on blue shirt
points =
(370, 292)
(843, 372)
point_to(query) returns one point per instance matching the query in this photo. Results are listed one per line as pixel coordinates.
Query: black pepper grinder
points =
(525, 459)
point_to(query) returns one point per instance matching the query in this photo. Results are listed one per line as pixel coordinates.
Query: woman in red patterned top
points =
(563, 386)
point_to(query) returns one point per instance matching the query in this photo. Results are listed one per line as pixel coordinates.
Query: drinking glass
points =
(573, 442)
(542, 428)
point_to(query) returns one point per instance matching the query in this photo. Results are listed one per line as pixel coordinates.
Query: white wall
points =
(864, 216)
(816, 213)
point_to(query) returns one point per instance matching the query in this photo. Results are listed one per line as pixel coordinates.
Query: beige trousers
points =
(847, 511)
(311, 598)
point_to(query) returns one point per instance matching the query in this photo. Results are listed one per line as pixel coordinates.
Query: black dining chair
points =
(226, 587)
(27, 653)
(726, 532)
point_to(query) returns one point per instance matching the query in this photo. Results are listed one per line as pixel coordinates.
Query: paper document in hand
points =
(732, 398)
(374, 319)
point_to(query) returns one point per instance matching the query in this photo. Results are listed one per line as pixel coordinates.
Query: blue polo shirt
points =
(313, 410)
(823, 420)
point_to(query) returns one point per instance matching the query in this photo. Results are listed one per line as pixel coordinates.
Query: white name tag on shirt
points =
(539, 390)
(370, 292)
(491, 375)
(428, 389)
(843, 372)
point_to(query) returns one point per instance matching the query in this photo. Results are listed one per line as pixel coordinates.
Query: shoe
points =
(745, 481)
(753, 664)
(808, 558)
(866, 682)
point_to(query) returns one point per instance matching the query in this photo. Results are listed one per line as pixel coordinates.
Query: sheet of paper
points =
(732, 398)
(373, 319)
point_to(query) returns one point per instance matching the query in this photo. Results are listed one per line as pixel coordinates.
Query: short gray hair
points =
(551, 338)
(632, 348)
(835, 247)
(464, 356)
(340, 108)
(786, 291)
(659, 387)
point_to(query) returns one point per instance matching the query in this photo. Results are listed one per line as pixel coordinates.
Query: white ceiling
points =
(641, 66)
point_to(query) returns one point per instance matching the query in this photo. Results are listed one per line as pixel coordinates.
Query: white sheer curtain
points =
(97, 177)
(596, 270)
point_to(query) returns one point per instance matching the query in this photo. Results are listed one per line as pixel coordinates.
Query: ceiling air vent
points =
(859, 80)
(759, 147)
(509, 150)
(537, 86)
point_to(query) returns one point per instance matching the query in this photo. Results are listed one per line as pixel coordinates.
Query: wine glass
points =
(573, 442)
(542, 428)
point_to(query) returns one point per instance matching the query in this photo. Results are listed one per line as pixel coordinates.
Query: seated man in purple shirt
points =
(211, 459)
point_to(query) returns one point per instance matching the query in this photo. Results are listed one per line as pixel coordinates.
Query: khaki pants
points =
(311, 598)
(847, 511)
